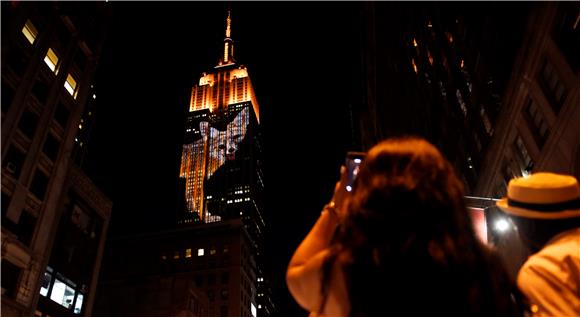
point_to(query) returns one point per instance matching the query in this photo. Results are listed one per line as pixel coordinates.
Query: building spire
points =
(228, 55)
(229, 24)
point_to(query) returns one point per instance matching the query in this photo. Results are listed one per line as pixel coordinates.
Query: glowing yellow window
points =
(71, 85)
(29, 31)
(51, 60)
(188, 253)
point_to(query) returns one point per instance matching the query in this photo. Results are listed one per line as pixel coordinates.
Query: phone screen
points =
(353, 160)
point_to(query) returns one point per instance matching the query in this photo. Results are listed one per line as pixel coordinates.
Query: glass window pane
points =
(29, 31)
(62, 294)
(45, 284)
(71, 85)
(79, 304)
(51, 60)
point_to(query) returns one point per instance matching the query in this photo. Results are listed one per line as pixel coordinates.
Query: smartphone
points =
(353, 160)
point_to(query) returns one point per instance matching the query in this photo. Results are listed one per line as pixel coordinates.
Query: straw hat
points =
(542, 196)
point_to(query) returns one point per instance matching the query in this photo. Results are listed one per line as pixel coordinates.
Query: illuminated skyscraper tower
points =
(220, 161)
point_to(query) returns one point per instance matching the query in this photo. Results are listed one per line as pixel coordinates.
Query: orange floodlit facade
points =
(219, 144)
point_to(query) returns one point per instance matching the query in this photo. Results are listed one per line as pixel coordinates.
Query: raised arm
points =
(304, 273)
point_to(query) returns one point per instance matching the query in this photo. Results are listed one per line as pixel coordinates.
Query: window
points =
(71, 85)
(62, 32)
(553, 87)
(28, 123)
(212, 251)
(81, 219)
(62, 294)
(51, 147)
(51, 60)
(486, 123)
(188, 253)
(45, 283)
(200, 252)
(17, 60)
(39, 184)
(29, 31)
(254, 310)
(176, 255)
(10, 276)
(7, 96)
(79, 304)
(566, 31)
(537, 123)
(527, 164)
(61, 114)
(13, 161)
(40, 90)
(80, 59)
(26, 227)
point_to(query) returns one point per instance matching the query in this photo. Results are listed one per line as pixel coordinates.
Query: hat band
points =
(565, 205)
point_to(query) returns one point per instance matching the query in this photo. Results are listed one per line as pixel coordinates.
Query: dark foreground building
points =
(537, 128)
(210, 265)
(54, 218)
(495, 86)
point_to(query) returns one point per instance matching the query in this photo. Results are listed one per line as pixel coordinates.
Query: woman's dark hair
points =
(407, 244)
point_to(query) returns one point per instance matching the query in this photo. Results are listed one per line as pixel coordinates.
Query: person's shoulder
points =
(563, 246)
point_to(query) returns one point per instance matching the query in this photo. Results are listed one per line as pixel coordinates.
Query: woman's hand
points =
(340, 194)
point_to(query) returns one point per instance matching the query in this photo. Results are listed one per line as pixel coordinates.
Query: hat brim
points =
(534, 214)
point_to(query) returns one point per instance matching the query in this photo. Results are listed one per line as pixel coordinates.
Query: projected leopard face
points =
(223, 145)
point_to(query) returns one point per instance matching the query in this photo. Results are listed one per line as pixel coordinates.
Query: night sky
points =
(303, 60)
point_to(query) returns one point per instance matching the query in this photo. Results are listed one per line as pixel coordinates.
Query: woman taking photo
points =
(399, 243)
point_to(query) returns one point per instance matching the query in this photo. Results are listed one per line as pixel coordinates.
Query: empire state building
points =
(221, 168)
(220, 162)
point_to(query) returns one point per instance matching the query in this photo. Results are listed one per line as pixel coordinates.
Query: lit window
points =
(45, 284)
(62, 294)
(176, 255)
(253, 309)
(200, 252)
(71, 85)
(188, 253)
(29, 31)
(79, 304)
(212, 251)
(51, 60)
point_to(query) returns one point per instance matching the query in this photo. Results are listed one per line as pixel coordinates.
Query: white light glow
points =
(348, 188)
(357, 160)
(501, 225)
